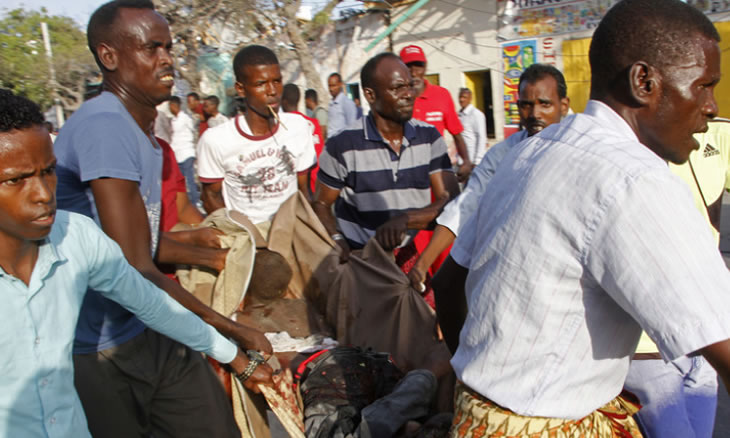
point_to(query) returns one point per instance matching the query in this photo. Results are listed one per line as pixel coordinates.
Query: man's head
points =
(543, 97)
(290, 98)
(464, 97)
(657, 64)
(415, 59)
(310, 99)
(210, 106)
(334, 84)
(193, 100)
(174, 105)
(258, 79)
(131, 44)
(388, 87)
(27, 173)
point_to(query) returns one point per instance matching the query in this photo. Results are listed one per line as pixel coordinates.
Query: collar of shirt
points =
(610, 118)
(372, 133)
(467, 110)
(48, 256)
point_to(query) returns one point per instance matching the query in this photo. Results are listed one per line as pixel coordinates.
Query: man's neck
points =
(18, 258)
(391, 131)
(258, 123)
(142, 113)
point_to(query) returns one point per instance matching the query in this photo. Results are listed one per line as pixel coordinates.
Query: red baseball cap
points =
(412, 54)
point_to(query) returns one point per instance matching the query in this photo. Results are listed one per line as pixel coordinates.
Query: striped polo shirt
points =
(375, 183)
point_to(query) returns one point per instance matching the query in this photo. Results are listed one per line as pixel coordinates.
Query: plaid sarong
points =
(478, 417)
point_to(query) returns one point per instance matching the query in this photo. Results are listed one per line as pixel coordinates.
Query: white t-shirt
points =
(183, 137)
(259, 173)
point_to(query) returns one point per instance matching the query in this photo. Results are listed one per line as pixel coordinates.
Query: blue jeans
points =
(187, 168)
(678, 398)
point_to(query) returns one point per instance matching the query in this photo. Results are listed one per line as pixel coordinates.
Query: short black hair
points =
(101, 23)
(193, 94)
(335, 75)
(367, 74)
(311, 94)
(291, 94)
(213, 99)
(250, 56)
(464, 90)
(17, 112)
(654, 31)
(175, 100)
(535, 72)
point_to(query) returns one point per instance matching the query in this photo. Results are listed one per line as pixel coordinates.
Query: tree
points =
(23, 61)
(200, 26)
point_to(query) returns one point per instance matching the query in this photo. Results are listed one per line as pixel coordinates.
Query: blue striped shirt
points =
(376, 183)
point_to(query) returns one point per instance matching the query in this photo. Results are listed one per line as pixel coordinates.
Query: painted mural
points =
(528, 18)
(516, 56)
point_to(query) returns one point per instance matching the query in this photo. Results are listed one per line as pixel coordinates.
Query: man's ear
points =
(108, 56)
(239, 89)
(369, 95)
(644, 83)
(564, 106)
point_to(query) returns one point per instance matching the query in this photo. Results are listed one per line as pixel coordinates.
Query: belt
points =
(646, 356)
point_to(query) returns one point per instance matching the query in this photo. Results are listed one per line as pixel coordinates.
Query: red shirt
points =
(173, 182)
(318, 141)
(436, 107)
(203, 124)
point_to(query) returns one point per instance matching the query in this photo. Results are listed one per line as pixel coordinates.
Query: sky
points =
(80, 10)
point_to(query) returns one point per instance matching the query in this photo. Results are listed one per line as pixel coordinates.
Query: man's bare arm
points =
(303, 184)
(443, 187)
(212, 196)
(450, 296)
(123, 217)
(187, 213)
(173, 250)
(718, 355)
(466, 165)
(322, 206)
(440, 240)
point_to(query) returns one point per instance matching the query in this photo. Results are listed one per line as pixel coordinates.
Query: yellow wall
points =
(577, 71)
(475, 82)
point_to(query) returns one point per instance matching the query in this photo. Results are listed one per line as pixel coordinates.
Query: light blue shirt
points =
(342, 113)
(37, 325)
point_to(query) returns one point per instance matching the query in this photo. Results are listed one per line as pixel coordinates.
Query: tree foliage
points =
(23, 63)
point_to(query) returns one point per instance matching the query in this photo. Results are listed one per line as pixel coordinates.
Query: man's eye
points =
(12, 181)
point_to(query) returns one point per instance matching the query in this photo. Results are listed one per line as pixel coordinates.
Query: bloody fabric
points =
(405, 258)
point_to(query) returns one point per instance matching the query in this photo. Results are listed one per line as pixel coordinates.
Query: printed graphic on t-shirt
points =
(265, 173)
(710, 150)
(434, 116)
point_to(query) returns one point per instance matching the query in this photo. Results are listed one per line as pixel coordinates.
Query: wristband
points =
(254, 360)
(337, 236)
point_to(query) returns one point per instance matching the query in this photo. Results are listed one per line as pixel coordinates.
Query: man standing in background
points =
(315, 110)
(210, 110)
(475, 127)
(342, 110)
(183, 144)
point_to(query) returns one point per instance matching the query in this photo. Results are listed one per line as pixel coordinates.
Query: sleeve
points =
(332, 169)
(307, 157)
(458, 211)
(111, 275)
(463, 246)
(653, 253)
(481, 130)
(105, 151)
(210, 164)
(451, 118)
(440, 161)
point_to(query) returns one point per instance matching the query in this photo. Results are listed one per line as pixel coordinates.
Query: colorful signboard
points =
(528, 18)
(517, 56)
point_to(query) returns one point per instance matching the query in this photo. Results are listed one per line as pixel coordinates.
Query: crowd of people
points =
(572, 239)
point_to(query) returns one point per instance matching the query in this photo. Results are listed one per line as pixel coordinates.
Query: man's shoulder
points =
(424, 130)
(223, 133)
(438, 91)
(70, 225)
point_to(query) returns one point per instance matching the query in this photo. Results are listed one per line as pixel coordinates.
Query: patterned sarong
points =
(478, 417)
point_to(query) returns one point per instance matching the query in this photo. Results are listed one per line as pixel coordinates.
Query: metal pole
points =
(52, 83)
